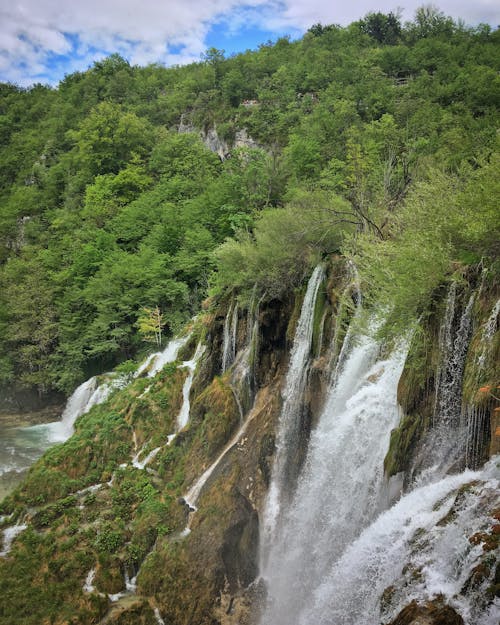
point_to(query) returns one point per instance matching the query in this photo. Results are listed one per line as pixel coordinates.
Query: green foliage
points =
(446, 221)
(103, 211)
(284, 245)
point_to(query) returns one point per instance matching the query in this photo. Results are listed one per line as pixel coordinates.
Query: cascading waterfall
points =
(445, 342)
(291, 413)
(416, 550)
(183, 416)
(20, 447)
(9, 534)
(489, 330)
(478, 434)
(229, 337)
(478, 417)
(338, 359)
(446, 442)
(243, 363)
(155, 362)
(449, 391)
(340, 489)
(191, 498)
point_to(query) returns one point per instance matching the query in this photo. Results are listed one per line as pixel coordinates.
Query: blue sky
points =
(42, 40)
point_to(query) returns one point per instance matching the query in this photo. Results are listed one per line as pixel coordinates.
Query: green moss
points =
(403, 440)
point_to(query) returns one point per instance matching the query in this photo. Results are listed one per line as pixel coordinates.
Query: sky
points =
(43, 40)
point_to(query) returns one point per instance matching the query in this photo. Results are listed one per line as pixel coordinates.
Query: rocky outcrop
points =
(217, 144)
(431, 613)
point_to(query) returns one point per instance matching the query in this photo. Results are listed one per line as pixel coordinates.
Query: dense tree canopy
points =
(378, 139)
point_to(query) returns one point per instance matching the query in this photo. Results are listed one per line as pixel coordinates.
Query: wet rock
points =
(432, 613)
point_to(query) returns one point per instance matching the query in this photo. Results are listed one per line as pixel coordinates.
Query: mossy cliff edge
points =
(95, 520)
(106, 541)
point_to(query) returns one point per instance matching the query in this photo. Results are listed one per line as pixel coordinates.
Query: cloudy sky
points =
(42, 40)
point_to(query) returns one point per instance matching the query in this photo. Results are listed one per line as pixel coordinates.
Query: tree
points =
(386, 29)
(150, 325)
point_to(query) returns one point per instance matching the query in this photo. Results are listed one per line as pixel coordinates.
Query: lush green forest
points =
(378, 140)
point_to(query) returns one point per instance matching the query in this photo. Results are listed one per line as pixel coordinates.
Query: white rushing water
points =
(405, 539)
(155, 362)
(9, 535)
(21, 447)
(446, 443)
(291, 412)
(191, 498)
(340, 489)
(183, 416)
(229, 337)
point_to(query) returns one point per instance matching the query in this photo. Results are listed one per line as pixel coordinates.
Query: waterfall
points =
(340, 489)
(478, 434)
(9, 535)
(155, 362)
(445, 341)
(291, 412)
(229, 337)
(445, 444)
(226, 340)
(449, 390)
(488, 330)
(419, 549)
(478, 417)
(339, 358)
(191, 498)
(242, 376)
(183, 417)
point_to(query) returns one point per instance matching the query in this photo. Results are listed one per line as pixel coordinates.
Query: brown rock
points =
(432, 613)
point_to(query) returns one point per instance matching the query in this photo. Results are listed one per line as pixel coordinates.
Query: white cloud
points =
(144, 31)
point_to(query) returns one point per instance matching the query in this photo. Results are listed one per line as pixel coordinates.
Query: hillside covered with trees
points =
(378, 141)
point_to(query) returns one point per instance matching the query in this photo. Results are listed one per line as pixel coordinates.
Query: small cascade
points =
(191, 498)
(353, 289)
(291, 413)
(77, 404)
(445, 342)
(226, 340)
(341, 489)
(141, 464)
(155, 362)
(242, 375)
(183, 417)
(9, 535)
(488, 330)
(158, 618)
(417, 550)
(234, 331)
(478, 416)
(130, 588)
(478, 434)
(444, 447)
(229, 337)
(88, 586)
(449, 390)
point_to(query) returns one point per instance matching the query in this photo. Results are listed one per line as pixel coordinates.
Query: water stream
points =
(20, 447)
(340, 490)
(291, 413)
